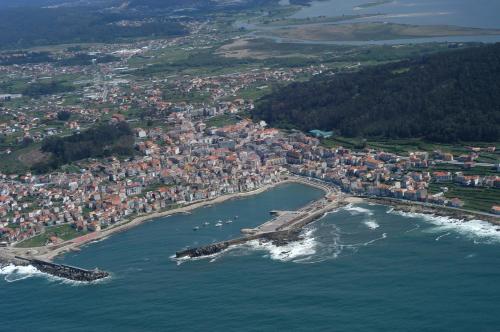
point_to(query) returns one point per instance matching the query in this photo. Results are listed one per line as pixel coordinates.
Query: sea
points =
(465, 13)
(360, 268)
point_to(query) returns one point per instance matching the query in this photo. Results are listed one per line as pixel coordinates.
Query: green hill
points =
(443, 97)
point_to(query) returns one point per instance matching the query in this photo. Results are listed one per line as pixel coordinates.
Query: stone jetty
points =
(278, 238)
(64, 271)
(284, 228)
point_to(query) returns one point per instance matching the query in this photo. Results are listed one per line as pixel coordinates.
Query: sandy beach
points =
(49, 252)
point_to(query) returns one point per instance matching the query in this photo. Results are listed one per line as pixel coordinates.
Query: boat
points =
(196, 228)
(206, 223)
(236, 217)
(229, 221)
(219, 224)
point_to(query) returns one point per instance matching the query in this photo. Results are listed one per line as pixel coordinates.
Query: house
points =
(495, 209)
(373, 163)
(442, 176)
(141, 133)
(456, 202)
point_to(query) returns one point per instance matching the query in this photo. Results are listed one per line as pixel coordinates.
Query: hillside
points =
(22, 27)
(444, 97)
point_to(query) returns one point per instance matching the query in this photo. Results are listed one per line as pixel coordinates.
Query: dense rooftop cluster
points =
(191, 162)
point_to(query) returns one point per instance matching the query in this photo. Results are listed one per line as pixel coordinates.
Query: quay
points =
(284, 228)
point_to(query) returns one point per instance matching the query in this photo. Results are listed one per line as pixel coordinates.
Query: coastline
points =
(435, 210)
(48, 253)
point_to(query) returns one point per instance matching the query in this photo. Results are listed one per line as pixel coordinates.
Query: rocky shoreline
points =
(440, 211)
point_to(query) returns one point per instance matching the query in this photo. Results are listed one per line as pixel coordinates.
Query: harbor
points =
(340, 262)
(284, 228)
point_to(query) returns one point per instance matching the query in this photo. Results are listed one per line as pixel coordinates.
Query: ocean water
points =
(361, 268)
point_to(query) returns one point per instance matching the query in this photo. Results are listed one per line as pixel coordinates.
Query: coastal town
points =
(249, 165)
(192, 162)
(194, 140)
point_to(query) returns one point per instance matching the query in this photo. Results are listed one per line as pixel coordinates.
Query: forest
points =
(444, 97)
(29, 26)
(38, 89)
(100, 141)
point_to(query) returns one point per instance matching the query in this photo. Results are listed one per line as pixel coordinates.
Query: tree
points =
(63, 115)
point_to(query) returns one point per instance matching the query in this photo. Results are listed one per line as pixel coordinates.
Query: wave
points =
(100, 240)
(417, 226)
(441, 236)
(482, 232)
(364, 244)
(13, 273)
(371, 224)
(355, 210)
(291, 251)
(318, 243)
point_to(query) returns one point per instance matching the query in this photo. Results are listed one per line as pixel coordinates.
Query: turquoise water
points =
(363, 268)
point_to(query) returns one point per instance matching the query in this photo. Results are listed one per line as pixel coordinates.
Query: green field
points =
(479, 199)
(222, 120)
(478, 170)
(18, 161)
(64, 232)
(404, 146)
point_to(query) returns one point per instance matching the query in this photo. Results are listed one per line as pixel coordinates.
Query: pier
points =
(284, 228)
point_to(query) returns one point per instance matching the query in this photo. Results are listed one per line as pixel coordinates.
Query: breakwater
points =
(282, 229)
(277, 238)
(64, 271)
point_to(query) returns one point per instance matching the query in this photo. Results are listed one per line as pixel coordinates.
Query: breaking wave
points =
(371, 224)
(318, 245)
(355, 210)
(478, 230)
(13, 273)
(319, 242)
(303, 248)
